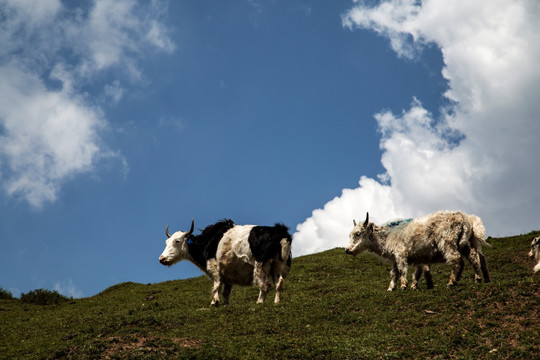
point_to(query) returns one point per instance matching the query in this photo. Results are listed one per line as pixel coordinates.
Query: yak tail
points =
(478, 239)
(479, 232)
(285, 249)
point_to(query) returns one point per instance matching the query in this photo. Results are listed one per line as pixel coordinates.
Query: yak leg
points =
(454, 260)
(215, 293)
(280, 270)
(460, 270)
(427, 276)
(260, 273)
(416, 277)
(483, 267)
(474, 259)
(393, 277)
(227, 288)
(403, 268)
(213, 270)
(279, 287)
(473, 256)
(426, 271)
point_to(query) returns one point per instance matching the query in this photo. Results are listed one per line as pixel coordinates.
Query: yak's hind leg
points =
(483, 266)
(457, 244)
(416, 277)
(474, 259)
(454, 260)
(261, 277)
(279, 287)
(280, 270)
(473, 256)
(227, 288)
(422, 270)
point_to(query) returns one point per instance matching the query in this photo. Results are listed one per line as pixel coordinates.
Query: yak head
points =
(359, 238)
(176, 246)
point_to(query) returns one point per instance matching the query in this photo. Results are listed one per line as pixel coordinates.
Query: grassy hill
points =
(334, 307)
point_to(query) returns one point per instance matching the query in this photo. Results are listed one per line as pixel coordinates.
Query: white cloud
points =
(480, 155)
(48, 136)
(67, 288)
(50, 129)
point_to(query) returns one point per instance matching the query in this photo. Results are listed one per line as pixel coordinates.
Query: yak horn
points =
(354, 222)
(367, 220)
(167, 231)
(192, 225)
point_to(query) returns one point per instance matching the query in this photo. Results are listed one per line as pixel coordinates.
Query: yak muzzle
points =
(163, 260)
(347, 251)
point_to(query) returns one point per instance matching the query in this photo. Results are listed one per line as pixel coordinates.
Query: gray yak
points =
(443, 236)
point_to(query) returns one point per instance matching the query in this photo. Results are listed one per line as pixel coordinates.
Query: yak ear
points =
(367, 220)
(354, 222)
(370, 228)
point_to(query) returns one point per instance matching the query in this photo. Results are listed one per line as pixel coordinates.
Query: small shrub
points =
(44, 297)
(5, 294)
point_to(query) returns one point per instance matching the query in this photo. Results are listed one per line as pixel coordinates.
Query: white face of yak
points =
(359, 237)
(176, 247)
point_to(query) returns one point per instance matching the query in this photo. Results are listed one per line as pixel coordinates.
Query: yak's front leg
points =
(213, 271)
(215, 293)
(428, 277)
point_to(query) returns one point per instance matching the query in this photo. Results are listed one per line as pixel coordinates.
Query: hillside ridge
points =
(333, 306)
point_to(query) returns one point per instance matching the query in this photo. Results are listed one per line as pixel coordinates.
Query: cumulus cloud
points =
(50, 128)
(480, 154)
(47, 135)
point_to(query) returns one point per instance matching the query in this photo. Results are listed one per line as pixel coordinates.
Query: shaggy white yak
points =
(443, 236)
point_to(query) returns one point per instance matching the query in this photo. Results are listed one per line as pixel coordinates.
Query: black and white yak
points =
(233, 254)
(443, 236)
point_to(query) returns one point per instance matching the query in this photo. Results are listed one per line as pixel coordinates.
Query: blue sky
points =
(120, 117)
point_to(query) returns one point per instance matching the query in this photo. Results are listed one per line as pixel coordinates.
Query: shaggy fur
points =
(535, 253)
(203, 247)
(442, 236)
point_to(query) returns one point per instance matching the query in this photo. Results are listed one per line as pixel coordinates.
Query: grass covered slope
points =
(333, 306)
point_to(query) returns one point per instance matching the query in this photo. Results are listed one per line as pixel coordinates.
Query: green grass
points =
(334, 307)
